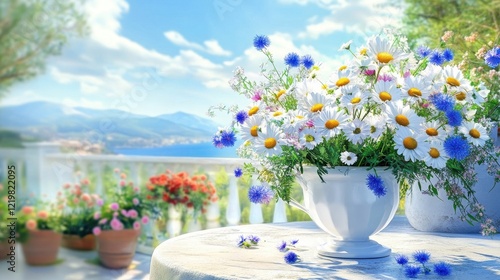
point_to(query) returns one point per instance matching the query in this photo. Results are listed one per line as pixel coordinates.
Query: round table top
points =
(213, 254)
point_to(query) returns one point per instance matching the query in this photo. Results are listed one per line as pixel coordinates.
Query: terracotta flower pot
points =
(116, 248)
(42, 247)
(75, 242)
(4, 249)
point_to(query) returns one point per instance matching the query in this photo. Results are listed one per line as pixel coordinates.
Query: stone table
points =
(213, 254)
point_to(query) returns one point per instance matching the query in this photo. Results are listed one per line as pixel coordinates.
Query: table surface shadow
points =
(213, 254)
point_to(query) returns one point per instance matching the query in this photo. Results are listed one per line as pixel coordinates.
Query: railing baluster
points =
(256, 216)
(233, 210)
(279, 215)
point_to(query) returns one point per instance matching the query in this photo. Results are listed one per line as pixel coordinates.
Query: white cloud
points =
(209, 46)
(83, 102)
(363, 17)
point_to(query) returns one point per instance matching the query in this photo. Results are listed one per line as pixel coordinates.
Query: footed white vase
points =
(348, 210)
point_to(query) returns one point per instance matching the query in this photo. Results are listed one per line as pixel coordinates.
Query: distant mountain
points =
(112, 128)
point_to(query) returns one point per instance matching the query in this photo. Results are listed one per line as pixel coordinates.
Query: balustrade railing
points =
(43, 170)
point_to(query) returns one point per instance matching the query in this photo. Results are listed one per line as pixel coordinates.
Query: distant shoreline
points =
(204, 149)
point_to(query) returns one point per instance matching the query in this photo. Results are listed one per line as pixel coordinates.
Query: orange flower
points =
(43, 215)
(31, 224)
(26, 210)
(86, 197)
(123, 176)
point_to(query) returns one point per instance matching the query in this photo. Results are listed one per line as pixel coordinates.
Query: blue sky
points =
(162, 56)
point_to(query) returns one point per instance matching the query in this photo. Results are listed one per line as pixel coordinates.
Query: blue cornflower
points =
(217, 141)
(454, 117)
(448, 55)
(292, 59)
(442, 269)
(492, 57)
(421, 256)
(423, 51)
(456, 147)
(253, 238)
(291, 257)
(436, 57)
(282, 246)
(307, 61)
(238, 172)
(411, 271)
(443, 102)
(227, 138)
(260, 194)
(376, 185)
(241, 116)
(401, 259)
(293, 242)
(241, 241)
(261, 41)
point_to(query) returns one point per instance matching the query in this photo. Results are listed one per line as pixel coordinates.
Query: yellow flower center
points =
(452, 82)
(309, 138)
(270, 143)
(280, 93)
(415, 92)
(363, 51)
(431, 131)
(316, 107)
(402, 120)
(253, 110)
(373, 129)
(343, 67)
(385, 96)
(474, 133)
(434, 153)
(355, 100)
(254, 130)
(460, 96)
(357, 130)
(277, 113)
(342, 82)
(410, 143)
(384, 57)
(331, 124)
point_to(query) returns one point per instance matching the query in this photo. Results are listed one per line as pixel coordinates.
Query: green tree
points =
(31, 31)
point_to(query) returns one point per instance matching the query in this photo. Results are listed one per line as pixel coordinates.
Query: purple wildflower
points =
(260, 194)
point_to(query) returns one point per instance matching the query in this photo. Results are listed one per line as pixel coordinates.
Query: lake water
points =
(182, 150)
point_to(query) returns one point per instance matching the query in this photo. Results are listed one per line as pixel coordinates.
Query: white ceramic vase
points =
(348, 210)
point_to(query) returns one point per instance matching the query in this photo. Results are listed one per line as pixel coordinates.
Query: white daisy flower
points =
(458, 86)
(412, 147)
(436, 156)
(315, 102)
(269, 141)
(383, 51)
(250, 128)
(402, 116)
(356, 131)
(309, 138)
(480, 94)
(415, 89)
(343, 78)
(357, 98)
(258, 107)
(346, 45)
(377, 125)
(475, 133)
(348, 158)
(386, 91)
(308, 86)
(330, 122)
(434, 131)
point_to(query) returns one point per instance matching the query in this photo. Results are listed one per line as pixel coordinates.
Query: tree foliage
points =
(31, 31)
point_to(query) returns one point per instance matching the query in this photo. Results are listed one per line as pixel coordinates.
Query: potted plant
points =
(39, 231)
(175, 193)
(79, 206)
(386, 118)
(118, 225)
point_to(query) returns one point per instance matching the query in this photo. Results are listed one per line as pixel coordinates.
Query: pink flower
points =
(96, 230)
(31, 224)
(66, 186)
(103, 221)
(125, 213)
(132, 213)
(137, 225)
(86, 197)
(114, 206)
(76, 200)
(136, 189)
(145, 220)
(99, 202)
(122, 183)
(135, 201)
(116, 224)
(116, 170)
(97, 215)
